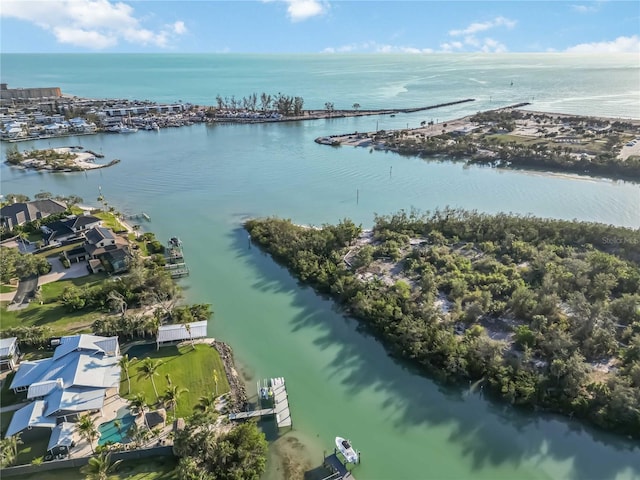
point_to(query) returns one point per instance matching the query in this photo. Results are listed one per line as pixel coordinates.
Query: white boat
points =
(347, 450)
(125, 129)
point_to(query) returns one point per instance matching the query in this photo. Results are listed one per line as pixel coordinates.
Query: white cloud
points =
(299, 10)
(619, 45)
(179, 28)
(483, 26)
(366, 47)
(93, 24)
(584, 8)
(490, 45)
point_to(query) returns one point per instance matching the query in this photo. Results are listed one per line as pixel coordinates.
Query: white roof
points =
(107, 345)
(41, 389)
(62, 435)
(74, 399)
(172, 333)
(31, 415)
(5, 345)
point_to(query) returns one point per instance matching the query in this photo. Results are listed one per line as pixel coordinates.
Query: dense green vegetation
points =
(14, 264)
(240, 454)
(589, 145)
(546, 312)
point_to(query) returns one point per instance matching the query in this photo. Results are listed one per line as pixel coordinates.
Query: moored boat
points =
(344, 446)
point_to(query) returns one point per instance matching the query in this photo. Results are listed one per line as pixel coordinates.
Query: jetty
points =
(175, 259)
(272, 394)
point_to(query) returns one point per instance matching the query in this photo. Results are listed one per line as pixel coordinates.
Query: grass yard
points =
(7, 397)
(188, 368)
(154, 468)
(7, 288)
(51, 312)
(109, 220)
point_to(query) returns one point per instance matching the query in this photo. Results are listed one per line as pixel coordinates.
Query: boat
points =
(125, 129)
(345, 448)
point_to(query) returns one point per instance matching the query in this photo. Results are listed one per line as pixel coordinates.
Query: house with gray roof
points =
(74, 226)
(83, 372)
(23, 212)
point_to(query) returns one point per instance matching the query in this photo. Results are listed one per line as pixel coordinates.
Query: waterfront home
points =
(9, 352)
(20, 213)
(82, 373)
(73, 226)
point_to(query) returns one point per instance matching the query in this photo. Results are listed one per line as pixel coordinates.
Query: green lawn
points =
(51, 312)
(188, 368)
(154, 468)
(5, 419)
(7, 288)
(109, 220)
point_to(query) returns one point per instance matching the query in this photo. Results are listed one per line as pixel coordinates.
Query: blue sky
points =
(315, 26)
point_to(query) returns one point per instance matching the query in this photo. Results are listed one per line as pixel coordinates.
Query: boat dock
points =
(175, 259)
(273, 393)
(338, 469)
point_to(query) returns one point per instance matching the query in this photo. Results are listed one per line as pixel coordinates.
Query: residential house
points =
(20, 213)
(73, 226)
(9, 352)
(106, 250)
(82, 373)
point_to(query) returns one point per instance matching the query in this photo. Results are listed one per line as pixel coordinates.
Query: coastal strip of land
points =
(62, 159)
(514, 138)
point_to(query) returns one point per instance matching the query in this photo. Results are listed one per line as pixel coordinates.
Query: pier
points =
(273, 393)
(338, 469)
(175, 259)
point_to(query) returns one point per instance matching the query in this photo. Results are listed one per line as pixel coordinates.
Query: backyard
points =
(188, 367)
(52, 312)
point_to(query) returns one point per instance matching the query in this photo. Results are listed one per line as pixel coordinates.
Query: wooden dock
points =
(277, 396)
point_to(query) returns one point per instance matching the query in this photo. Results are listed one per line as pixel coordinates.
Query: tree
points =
(356, 106)
(215, 380)
(206, 403)
(171, 395)
(148, 370)
(9, 450)
(125, 364)
(138, 406)
(87, 429)
(100, 467)
(328, 106)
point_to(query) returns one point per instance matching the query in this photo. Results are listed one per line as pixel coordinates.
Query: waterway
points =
(200, 182)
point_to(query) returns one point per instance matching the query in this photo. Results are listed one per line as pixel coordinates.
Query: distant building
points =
(20, 213)
(28, 93)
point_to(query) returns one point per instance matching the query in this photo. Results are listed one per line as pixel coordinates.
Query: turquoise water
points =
(200, 182)
(109, 433)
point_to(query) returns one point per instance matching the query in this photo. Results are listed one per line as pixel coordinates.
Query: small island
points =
(519, 139)
(543, 314)
(62, 159)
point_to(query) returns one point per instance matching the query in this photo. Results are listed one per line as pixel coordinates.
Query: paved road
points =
(26, 289)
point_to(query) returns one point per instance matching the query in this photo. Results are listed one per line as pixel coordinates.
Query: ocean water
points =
(200, 182)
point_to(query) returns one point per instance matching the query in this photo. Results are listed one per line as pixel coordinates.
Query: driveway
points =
(58, 272)
(24, 293)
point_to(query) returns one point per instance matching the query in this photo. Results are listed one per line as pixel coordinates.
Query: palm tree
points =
(125, 364)
(149, 369)
(215, 380)
(9, 450)
(87, 429)
(100, 467)
(171, 395)
(206, 403)
(138, 405)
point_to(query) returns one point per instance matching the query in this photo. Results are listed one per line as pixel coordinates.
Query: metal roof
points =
(68, 344)
(62, 435)
(5, 345)
(41, 389)
(30, 372)
(74, 399)
(171, 333)
(31, 415)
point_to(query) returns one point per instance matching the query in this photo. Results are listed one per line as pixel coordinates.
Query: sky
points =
(318, 26)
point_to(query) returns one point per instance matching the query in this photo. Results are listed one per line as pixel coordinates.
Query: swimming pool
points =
(109, 432)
